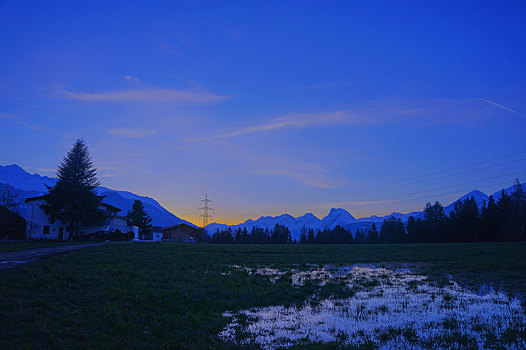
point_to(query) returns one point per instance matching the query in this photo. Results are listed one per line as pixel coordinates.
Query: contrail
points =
(501, 106)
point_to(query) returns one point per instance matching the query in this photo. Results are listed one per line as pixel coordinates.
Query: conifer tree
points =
(372, 235)
(519, 211)
(73, 199)
(137, 216)
(435, 223)
(360, 236)
(490, 222)
(392, 231)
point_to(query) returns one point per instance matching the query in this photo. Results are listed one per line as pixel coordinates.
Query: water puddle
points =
(386, 309)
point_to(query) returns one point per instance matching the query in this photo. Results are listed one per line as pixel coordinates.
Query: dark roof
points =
(111, 207)
(30, 199)
(108, 206)
(178, 225)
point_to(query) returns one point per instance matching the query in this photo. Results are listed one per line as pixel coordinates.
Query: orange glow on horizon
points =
(197, 220)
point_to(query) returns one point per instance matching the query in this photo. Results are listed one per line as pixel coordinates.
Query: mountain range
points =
(340, 217)
(31, 185)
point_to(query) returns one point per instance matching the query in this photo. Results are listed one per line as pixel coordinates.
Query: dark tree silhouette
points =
(73, 199)
(137, 216)
(392, 231)
(435, 223)
(372, 235)
(464, 221)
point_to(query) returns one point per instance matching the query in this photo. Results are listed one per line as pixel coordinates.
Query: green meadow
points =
(171, 295)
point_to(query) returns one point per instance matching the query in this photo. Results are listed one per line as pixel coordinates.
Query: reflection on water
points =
(390, 309)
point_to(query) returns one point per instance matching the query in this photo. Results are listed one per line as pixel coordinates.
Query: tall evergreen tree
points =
(372, 235)
(519, 211)
(463, 221)
(435, 223)
(237, 237)
(137, 216)
(490, 222)
(73, 199)
(392, 231)
(311, 237)
(359, 237)
(506, 222)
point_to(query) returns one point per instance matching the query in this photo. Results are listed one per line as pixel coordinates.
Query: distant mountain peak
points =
(307, 216)
(33, 185)
(340, 212)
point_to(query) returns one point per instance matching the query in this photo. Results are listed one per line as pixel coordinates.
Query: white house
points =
(39, 226)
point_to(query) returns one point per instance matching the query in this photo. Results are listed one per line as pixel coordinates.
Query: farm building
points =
(181, 233)
(39, 226)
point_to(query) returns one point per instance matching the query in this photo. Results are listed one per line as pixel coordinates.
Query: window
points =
(46, 229)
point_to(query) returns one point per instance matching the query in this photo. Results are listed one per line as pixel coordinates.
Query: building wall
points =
(182, 233)
(39, 227)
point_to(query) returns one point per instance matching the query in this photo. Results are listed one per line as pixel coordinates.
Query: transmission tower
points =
(206, 208)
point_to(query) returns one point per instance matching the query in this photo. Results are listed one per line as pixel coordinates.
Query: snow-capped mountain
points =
(31, 185)
(339, 216)
(480, 198)
(16, 177)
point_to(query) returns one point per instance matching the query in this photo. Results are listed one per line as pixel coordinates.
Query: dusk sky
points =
(270, 107)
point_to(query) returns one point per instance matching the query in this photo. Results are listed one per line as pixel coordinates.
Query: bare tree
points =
(9, 198)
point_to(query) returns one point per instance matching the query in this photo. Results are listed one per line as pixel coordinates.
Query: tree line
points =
(495, 221)
(280, 234)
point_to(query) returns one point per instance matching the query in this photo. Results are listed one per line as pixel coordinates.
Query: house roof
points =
(179, 225)
(108, 206)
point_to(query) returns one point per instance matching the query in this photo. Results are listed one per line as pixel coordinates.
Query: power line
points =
(368, 189)
(445, 187)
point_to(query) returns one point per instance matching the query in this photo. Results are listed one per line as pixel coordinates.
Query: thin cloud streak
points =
(501, 106)
(10, 116)
(130, 133)
(300, 120)
(358, 203)
(147, 95)
(19, 120)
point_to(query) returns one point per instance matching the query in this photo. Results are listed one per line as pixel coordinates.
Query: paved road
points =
(17, 257)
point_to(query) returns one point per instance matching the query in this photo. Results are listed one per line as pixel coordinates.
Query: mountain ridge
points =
(32, 185)
(35, 184)
(309, 220)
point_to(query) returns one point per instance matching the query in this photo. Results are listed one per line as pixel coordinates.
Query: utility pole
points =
(206, 208)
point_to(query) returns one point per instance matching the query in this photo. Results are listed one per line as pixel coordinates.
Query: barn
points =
(180, 233)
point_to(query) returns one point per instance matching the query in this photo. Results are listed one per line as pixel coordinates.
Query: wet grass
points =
(168, 295)
(24, 245)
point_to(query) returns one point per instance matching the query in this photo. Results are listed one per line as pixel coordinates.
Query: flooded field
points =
(381, 308)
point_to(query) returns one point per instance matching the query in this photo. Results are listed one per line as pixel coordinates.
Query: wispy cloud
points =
(358, 203)
(132, 78)
(501, 106)
(146, 95)
(130, 133)
(308, 173)
(299, 120)
(22, 121)
(10, 116)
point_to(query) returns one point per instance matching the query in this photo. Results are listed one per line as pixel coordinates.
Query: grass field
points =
(22, 245)
(169, 295)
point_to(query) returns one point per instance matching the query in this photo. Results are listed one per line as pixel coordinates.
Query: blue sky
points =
(270, 107)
